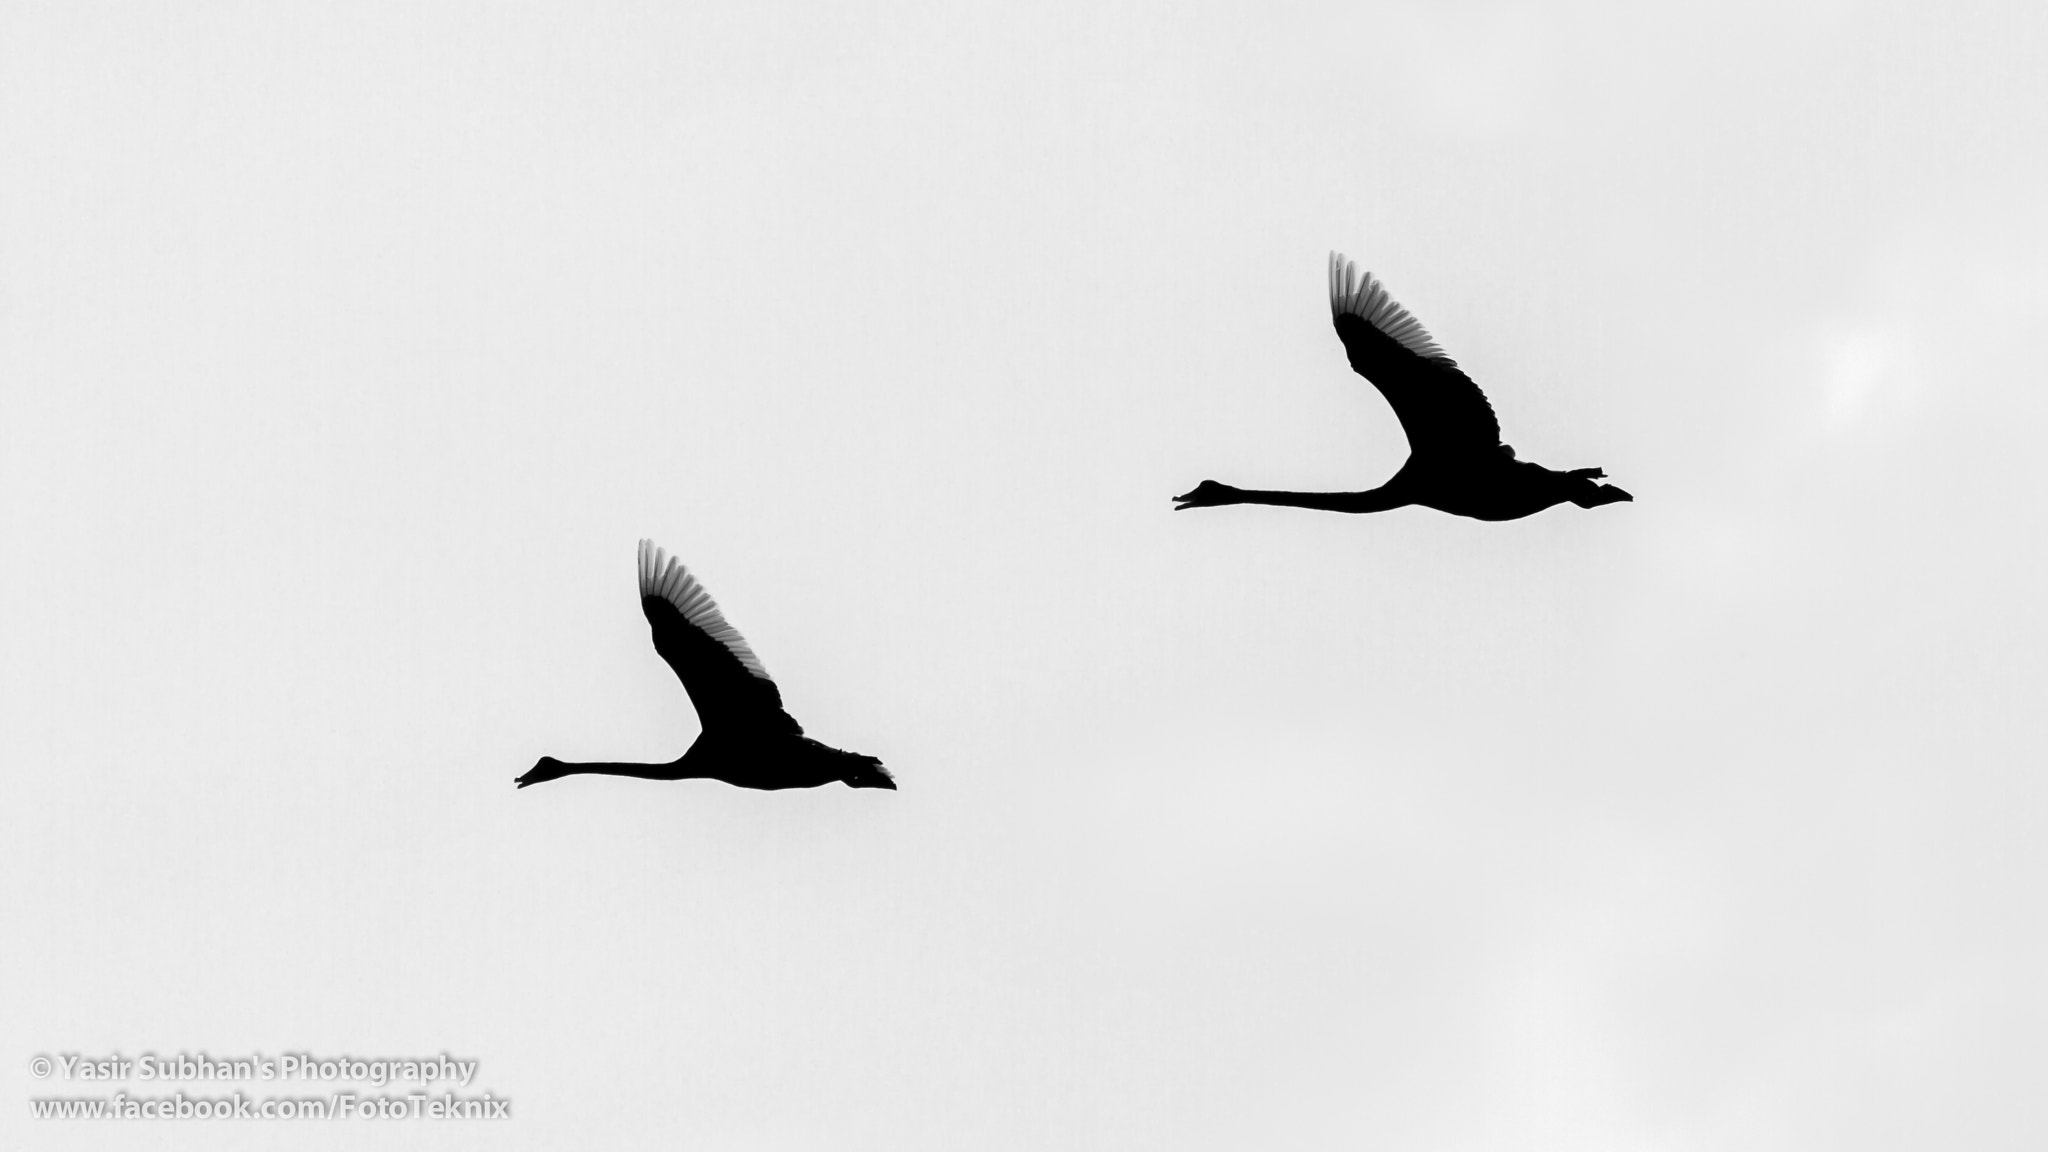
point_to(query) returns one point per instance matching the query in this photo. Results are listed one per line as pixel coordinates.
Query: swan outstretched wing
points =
(1441, 409)
(725, 680)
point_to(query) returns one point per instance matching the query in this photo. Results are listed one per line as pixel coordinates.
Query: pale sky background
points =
(347, 349)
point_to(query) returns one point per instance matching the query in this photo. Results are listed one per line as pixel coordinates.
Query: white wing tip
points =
(1362, 295)
(669, 578)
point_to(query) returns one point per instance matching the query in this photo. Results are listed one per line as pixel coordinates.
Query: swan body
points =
(1456, 461)
(748, 740)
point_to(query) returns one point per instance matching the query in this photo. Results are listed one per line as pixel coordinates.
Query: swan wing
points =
(1440, 408)
(726, 681)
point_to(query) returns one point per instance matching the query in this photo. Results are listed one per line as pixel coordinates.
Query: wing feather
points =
(1440, 408)
(727, 683)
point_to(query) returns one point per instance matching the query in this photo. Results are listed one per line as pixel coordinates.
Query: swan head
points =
(546, 769)
(1208, 494)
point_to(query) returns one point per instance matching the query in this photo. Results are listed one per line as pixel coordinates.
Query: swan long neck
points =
(673, 770)
(1374, 500)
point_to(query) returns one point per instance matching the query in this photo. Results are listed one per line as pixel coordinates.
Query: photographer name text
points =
(287, 1066)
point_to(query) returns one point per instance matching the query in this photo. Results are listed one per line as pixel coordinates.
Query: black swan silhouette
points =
(1456, 461)
(747, 739)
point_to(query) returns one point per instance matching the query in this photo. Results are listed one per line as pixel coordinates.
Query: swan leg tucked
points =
(1598, 494)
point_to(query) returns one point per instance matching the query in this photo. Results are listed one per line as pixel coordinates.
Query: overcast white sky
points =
(346, 350)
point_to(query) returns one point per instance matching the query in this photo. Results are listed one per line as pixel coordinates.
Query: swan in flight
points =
(747, 739)
(1456, 461)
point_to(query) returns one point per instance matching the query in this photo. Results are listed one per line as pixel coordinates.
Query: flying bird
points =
(747, 739)
(1456, 461)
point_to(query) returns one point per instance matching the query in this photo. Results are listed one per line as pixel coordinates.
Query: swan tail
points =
(860, 771)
